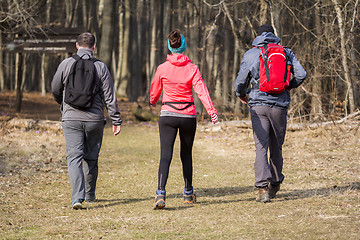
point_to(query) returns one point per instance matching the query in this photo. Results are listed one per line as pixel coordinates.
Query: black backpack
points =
(82, 84)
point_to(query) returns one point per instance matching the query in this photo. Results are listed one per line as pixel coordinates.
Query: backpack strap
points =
(266, 61)
(97, 79)
(183, 108)
(286, 65)
(76, 57)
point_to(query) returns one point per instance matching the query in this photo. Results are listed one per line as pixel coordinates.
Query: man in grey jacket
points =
(268, 113)
(83, 129)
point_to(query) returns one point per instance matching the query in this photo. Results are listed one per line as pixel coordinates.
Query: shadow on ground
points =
(216, 193)
(321, 192)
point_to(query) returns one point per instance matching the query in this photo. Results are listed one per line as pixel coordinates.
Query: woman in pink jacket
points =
(176, 78)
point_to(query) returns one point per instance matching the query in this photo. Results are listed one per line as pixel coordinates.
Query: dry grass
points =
(320, 197)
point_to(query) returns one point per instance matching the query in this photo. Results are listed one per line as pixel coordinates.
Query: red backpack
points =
(274, 69)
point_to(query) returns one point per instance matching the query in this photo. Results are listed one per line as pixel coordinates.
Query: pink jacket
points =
(176, 77)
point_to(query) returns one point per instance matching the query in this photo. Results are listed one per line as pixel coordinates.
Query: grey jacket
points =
(249, 73)
(107, 94)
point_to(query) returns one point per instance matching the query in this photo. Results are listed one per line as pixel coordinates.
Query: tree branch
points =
(302, 25)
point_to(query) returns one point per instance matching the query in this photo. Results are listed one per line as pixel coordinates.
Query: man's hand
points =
(116, 129)
(244, 100)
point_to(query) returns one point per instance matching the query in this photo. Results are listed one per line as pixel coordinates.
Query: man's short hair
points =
(264, 28)
(86, 39)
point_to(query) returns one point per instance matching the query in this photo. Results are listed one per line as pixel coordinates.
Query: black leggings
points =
(168, 127)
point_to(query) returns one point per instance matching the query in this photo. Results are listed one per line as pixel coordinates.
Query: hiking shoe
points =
(77, 204)
(189, 197)
(160, 199)
(93, 200)
(90, 198)
(263, 195)
(273, 189)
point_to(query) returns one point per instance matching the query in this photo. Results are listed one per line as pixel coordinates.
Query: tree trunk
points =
(10, 70)
(69, 10)
(135, 83)
(85, 13)
(43, 81)
(275, 16)
(192, 50)
(355, 55)
(210, 49)
(117, 74)
(316, 104)
(74, 19)
(263, 12)
(105, 51)
(2, 79)
(236, 59)
(24, 69)
(150, 70)
(167, 23)
(17, 65)
(48, 10)
(217, 73)
(226, 74)
(125, 73)
(350, 91)
(18, 82)
(95, 24)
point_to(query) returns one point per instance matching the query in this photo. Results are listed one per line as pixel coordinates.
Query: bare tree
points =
(125, 72)
(106, 42)
(150, 68)
(349, 92)
(132, 36)
(316, 79)
(2, 80)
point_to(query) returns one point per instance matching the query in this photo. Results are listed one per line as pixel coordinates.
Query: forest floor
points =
(319, 199)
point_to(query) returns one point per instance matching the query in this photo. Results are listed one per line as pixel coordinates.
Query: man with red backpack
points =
(267, 67)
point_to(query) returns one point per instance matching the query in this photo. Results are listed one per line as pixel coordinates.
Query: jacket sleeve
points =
(202, 92)
(243, 77)
(297, 70)
(57, 84)
(156, 87)
(109, 95)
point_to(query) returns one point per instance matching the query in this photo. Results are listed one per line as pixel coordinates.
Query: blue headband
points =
(179, 49)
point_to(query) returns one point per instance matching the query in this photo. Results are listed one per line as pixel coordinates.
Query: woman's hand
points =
(214, 118)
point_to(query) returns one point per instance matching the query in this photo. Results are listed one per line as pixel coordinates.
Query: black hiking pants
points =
(168, 128)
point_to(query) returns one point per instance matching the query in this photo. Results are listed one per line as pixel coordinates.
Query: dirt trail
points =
(319, 198)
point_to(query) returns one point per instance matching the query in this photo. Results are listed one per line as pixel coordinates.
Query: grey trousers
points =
(83, 142)
(269, 128)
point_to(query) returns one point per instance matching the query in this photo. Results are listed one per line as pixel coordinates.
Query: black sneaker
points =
(77, 204)
(263, 195)
(273, 189)
(189, 197)
(160, 199)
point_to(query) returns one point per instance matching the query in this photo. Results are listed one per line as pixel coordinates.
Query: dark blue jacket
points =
(249, 73)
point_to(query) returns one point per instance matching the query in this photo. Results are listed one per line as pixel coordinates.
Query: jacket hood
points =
(84, 51)
(178, 59)
(264, 38)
